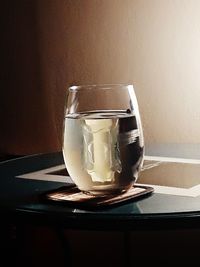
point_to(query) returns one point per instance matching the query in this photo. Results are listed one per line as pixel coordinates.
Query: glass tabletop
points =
(175, 181)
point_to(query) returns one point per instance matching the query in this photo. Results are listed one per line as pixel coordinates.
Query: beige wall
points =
(154, 44)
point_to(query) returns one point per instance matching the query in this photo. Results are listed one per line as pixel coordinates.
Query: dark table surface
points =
(20, 200)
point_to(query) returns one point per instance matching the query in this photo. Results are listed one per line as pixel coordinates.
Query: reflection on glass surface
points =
(128, 208)
(174, 174)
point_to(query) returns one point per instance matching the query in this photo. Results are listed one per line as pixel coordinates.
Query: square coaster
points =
(72, 196)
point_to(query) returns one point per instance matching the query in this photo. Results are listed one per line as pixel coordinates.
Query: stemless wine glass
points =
(103, 145)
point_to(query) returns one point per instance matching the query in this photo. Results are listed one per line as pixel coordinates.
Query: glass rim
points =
(105, 86)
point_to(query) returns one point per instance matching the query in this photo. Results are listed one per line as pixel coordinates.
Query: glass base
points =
(106, 193)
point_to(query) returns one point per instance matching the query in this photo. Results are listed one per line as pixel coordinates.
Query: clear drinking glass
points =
(103, 145)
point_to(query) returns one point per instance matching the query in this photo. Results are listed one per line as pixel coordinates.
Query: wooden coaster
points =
(73, 197)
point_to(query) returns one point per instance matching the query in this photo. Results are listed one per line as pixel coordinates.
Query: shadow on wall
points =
(31, 102)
